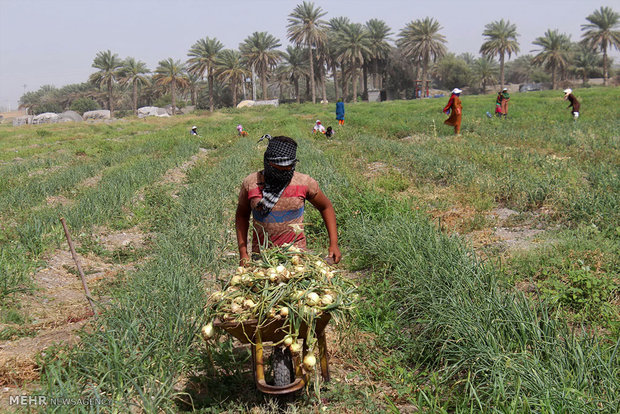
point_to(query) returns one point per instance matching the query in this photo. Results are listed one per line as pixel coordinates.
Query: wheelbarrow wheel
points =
(282, 366)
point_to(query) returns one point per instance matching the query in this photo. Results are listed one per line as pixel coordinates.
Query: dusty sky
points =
(55, 41)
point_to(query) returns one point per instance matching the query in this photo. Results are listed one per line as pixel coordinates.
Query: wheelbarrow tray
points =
(274, 331)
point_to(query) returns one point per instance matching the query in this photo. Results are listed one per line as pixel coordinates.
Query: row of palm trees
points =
(348, 50)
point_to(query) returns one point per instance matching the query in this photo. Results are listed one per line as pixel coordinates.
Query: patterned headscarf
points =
(281, 151)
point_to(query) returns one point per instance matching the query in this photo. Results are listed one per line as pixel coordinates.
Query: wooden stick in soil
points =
(79, 266)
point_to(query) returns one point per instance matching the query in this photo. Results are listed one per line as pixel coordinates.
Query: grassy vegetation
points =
(441, 328)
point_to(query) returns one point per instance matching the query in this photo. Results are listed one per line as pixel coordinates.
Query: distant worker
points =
(505, 97)
(574, 103)
(454, 109)
(194, 130)
(340, 111)
(318, 127)
(240, 131)
(498, 105)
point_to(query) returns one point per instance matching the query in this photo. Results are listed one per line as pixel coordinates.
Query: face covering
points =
(282, 153)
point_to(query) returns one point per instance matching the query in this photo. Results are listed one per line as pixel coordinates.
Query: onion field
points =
(487, 264)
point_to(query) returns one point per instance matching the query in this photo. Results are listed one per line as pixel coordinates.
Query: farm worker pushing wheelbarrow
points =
(275, 197)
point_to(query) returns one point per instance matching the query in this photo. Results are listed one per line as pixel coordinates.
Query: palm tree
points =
(231, 70)
(202, 55)
(334, 27)
(354, 48)
(133, 73)
(586, 61)
(259, 51)
(109, 69)
(521, 69)
(171, 73)
(501, 40)
(282, 79)
(193, 84)
(421, 40)
(554, 54)
(306, 28)
(485, 71)
(378, 33)
(295, 60)
(600, 33)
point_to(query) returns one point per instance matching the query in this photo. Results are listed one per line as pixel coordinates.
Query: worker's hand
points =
(333, 254)
(244, 261)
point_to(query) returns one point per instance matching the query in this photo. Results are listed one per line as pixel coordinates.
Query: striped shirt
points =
(287, 211)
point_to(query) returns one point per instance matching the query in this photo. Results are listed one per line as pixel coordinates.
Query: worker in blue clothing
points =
(340, 111)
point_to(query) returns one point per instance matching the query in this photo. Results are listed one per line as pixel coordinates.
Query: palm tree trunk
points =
(605, 63)
(296, 83)
(335, 73)
(375, 75)
(174, 101)
(312, 75)
(553, 78)
(307, 87)
(501, 69)
(355, 80)
(323, 87)
(263, 83)
(110, 97)
(365, 79)
(424, 71)
(210, 79)
(135, 97)
(345, 84)
(234, 89)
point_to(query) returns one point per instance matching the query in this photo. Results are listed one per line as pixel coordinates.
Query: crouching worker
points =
(275, 197)
(318, 127)
(573, 103)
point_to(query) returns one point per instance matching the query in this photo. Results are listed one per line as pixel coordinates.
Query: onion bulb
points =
(208, 331)
(320, 264)
(288, 340)
(284, 311)
(296, 260)
(235, 280)
(327, 299)
(238, 300)
(259, 273)
(295, 347)
(309, 362)
(248, 303)
(240, 270)
(312, 298)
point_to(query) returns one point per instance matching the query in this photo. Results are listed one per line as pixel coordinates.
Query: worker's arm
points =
(325, 207)
(242, 224)
(445, 109)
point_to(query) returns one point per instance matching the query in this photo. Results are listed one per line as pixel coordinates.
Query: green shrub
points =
(584, 291)
(47, 107)
(82, 105)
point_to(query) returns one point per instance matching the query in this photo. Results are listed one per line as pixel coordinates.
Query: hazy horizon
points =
(55, 42)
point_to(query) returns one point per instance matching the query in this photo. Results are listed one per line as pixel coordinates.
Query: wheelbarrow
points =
(288, 372)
